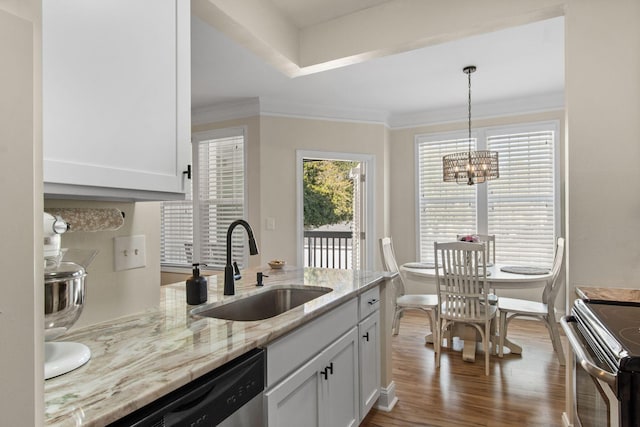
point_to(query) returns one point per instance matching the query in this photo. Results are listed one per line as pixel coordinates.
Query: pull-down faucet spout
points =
(229, 283)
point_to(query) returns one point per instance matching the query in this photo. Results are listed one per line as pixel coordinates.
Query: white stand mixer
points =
(64, 286)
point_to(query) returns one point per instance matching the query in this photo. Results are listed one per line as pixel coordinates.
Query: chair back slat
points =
(389, 263)
(461, 280)
(388, 256)
(553, 284)
(490, 242)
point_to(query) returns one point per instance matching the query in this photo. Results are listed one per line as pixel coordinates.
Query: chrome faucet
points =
(229, 283)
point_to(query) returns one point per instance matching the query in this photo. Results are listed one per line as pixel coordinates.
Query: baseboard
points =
(387, 399)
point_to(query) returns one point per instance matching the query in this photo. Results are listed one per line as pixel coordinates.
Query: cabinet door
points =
(369, 352)
(340, 383)
(116, 95)
(295, 402)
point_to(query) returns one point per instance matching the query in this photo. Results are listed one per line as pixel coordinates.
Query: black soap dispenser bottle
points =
(196, 287)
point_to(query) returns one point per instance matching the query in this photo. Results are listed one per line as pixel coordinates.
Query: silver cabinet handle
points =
(583, 357)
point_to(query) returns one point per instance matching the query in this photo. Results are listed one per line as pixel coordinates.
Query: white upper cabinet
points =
(116, 98)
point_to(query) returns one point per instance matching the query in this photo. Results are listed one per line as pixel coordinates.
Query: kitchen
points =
(591, 96)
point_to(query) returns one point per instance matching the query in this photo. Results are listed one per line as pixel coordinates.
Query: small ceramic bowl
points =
(276, 264)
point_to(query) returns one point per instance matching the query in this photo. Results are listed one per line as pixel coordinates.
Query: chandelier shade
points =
(470, 167)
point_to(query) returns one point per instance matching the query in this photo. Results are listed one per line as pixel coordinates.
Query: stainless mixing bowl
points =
(64, 289)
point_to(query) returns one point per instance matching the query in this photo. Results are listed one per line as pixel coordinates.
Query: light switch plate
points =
(129, 252)
(271, 223)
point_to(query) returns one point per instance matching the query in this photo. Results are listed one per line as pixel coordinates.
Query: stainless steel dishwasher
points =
(229, 396)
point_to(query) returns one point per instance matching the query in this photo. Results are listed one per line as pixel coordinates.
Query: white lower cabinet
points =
(326, 373)
(369, 363)
(323, 392)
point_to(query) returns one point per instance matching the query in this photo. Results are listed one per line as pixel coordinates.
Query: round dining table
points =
(497, 279)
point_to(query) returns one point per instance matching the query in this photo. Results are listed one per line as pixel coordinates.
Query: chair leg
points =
(502, 332)
(485, 341)
(494, 337)
(430, 314)
(396, 321)
(445, 334)
(437, 344)
(433, 321)
(552, 326)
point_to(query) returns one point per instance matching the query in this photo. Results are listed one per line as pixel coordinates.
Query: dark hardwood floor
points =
(521, 390)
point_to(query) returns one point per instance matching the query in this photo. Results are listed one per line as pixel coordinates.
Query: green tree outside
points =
(328, 192)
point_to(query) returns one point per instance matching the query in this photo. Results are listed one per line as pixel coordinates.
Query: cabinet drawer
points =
(369, 302)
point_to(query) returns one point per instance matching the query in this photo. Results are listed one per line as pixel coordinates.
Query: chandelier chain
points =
(471, 167)
(469, 76)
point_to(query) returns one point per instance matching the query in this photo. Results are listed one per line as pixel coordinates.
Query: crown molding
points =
(250, 107)
(274, 107)
(236, 109)
(503, 108)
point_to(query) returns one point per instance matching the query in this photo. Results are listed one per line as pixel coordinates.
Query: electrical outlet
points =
(129, 252)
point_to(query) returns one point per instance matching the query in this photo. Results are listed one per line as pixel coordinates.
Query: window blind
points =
(445, 208)
(521, 203)
(520, 208)
(219, 199)
(176, 231)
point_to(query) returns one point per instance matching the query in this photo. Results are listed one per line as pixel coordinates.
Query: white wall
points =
(21, 305)
(603, 124)
(271, 172)
(109, 293)
(280, 137)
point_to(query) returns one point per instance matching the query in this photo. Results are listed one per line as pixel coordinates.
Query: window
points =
(216, 199)
(521, 207)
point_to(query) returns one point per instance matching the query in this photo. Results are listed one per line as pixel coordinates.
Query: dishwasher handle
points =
(582, 355)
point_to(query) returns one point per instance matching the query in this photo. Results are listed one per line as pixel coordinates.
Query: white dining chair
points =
(427, 303)
(463, 292)
(490, 241)
(510, 308)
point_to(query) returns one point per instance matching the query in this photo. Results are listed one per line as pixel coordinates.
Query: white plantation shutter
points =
(521, 203)
(218, 182)
(445, 208)
(176, 231)
(221, 199)
(520, 207)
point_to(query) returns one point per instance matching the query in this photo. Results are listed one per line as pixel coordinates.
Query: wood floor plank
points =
(521, 390)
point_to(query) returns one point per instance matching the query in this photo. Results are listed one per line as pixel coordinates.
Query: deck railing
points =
(329, 249)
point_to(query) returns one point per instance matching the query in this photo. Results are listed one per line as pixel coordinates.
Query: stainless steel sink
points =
(263, 305)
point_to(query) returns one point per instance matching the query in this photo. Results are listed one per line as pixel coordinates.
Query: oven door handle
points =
(582, 355)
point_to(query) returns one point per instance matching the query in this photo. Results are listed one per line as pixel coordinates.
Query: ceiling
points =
(520, 69)
(306, 13)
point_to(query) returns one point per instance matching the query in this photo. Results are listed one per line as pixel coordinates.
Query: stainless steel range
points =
(605, 337)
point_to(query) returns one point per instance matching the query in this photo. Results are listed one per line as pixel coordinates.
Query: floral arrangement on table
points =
(469, 238)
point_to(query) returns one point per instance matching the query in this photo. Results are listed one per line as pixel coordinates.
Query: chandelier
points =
(470, 167)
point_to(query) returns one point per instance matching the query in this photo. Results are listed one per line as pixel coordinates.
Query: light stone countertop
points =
(139, 358)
